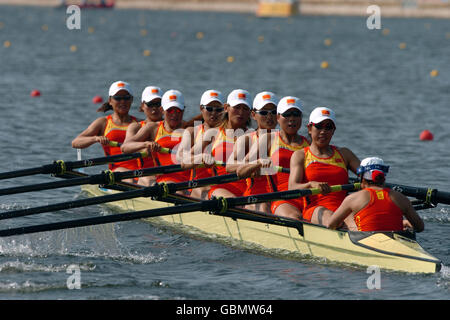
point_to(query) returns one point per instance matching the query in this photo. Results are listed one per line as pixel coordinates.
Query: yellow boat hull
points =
(388, 251)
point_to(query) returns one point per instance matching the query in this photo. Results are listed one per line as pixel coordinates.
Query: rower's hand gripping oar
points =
(215, 206)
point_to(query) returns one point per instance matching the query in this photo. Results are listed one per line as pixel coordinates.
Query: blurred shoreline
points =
(389, 8)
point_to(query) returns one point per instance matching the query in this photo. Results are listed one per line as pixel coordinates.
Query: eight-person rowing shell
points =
(215, 141)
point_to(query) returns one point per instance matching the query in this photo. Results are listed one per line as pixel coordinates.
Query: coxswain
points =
(375, 207)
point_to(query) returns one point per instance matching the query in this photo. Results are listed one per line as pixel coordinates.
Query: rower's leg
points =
(321, 215)
(222, 193)
(288, 210)
(122, 169)
(147, 181)
(200, 193)
(261, 207)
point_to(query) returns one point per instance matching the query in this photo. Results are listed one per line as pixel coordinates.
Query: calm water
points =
(383, 96)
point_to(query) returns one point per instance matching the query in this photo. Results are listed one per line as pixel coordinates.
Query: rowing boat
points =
(395, 251)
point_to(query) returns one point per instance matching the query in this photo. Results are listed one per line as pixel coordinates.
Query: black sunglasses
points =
(125, 98)
(328, 127)
(153, 104)
(266, 112)
(295, 114)
(211, 109)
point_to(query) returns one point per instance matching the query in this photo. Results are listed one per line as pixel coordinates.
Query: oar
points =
(162, 150)
(60, 167)
(217, 206)
(158, 190)
(104, 178)
(428, 195)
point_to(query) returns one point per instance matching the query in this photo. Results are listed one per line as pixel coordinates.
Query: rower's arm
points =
(191, 122)
(297, 171)
(141, 139)
(90, 135)
(408, 211)
(341, 213)
(238, 157)
(352, 161)
(185, 154)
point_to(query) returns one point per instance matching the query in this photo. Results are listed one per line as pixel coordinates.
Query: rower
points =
(264, 113)
(151, 106)
(113, 127)
(236, 121)
(163, 134)
(280, 146)
(319, 166)
(190, 153)
(376, 208)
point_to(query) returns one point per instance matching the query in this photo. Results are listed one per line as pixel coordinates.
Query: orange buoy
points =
(35, 93)
(426, 135)
(97, 99)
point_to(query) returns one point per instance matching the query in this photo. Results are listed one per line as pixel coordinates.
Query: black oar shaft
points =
(199, 206)
(154, 191)
(102, 178)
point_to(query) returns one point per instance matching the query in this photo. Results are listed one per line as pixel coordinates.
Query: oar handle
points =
(162, 150)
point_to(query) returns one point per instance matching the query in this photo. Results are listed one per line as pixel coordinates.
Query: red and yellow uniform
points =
(200, 173)
(147, 162)
(281, 153)
(380, 214)
(117, 133)
(257, 185)
(222, 149)
(169, 140)
(332, 170)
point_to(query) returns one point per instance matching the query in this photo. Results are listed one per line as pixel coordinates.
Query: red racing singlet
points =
(148, 162)
(222, 149)
(169, 140)
(200, 173)
(380, 214)
(332, 170)
(117, 133)
(281, 153)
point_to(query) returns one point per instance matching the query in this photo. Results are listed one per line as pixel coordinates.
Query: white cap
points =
(372, 165)
(151, 93)
(172, 98)
(210, 96)
(289, 102)
(239, 96)
(320, 114)
(119, 85)
(263, 98)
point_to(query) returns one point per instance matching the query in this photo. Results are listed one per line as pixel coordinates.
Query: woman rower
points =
(264, 113)
(112, 128)
(163, 134)
(151, 106)
(319, 166)
(279, 146)
(237, 119)
(190, 153)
